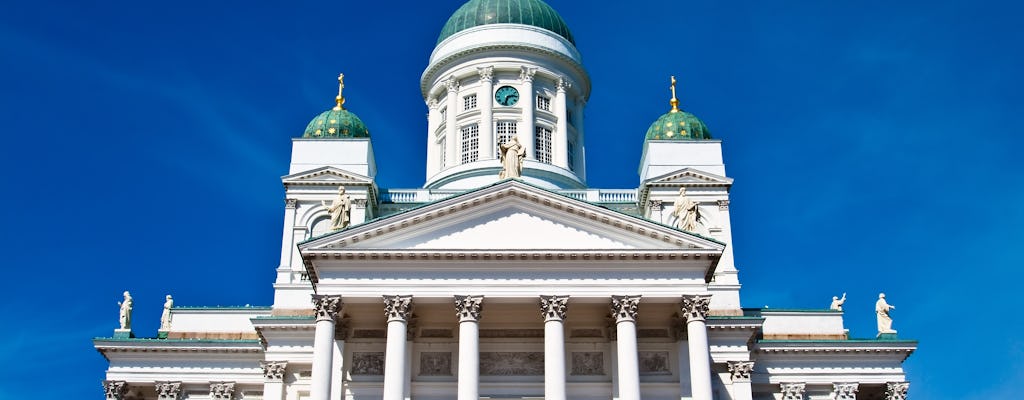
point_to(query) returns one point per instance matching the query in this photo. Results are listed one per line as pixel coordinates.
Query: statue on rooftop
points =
(512, 156)
(165, 318)
(837, 303)
(686, 212)
(340, 209)
(125, 315)
(884, 320)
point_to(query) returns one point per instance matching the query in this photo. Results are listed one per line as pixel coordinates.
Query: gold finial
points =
(674, 101)
(340, 100)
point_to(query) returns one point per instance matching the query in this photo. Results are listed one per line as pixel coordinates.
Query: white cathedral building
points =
(505, 276)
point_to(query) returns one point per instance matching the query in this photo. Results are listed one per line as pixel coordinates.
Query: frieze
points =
(435, 363)
(586, 333)
(368, 363)
(436, 333)
(511, 333)
(654, 363)
(369, 334)
(511, 363)
(587, 363)
(652, 333)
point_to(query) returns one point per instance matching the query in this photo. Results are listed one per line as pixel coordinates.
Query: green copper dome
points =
(336, 124)
(485, 12)
(678, 125)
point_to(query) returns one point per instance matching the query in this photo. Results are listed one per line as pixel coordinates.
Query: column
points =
(624, 310)
(486, 103)
(326, 309)
(581, 148)
(467, 309)
(452, 137)
(792, 390)
(695, 310)
(682, 356)
(273, 379)
(338, 360)
(397, 309)
(740, 372)
(560, 147)
(526, 98)
(115, 390)
(288, 241)
(613, 346)
(433, 122)
(222, 390)
(553, 309)
(410, 336)
(896, 390)
(844, 391)
(168, 390)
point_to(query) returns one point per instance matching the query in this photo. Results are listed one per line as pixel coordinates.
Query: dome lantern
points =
(336, 123)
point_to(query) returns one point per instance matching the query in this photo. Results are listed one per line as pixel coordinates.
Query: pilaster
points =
(739, 372)
(273, 379)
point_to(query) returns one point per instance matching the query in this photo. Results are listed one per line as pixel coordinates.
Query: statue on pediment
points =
(125, 315)
(882, 309)
(512, 155)
(686, 212)
(340, 209)
(837, 303)
(165, 317)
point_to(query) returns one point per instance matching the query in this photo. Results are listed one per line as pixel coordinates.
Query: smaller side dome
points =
(677, 124)
(336, 123)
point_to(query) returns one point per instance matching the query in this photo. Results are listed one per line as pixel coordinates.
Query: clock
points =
(506, 96)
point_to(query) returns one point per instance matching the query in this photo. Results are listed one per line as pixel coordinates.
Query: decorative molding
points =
(115, 390)
(526, 75)
(562, 84)
(326, 307)
(168, 390)
(844, 391)
(291, 203)
(222, 390)
(436, 363)
(274, 370)
(587, 363)
(553, 308)
(368, 363)
(453, 85)
(397, 308)
(654, 363)
(486, 73)
(740, 370)
(793, 391)
(511, 363)
(723, 205)
(896, 390)
(467, 308)
(695, 307)
(624, 308)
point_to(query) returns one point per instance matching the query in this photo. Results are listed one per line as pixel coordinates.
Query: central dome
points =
(485, 12)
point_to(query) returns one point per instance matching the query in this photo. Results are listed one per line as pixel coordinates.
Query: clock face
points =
(506, 96)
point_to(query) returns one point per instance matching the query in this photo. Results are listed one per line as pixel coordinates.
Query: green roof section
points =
(678, 125)
(336, 124)
(486, 12)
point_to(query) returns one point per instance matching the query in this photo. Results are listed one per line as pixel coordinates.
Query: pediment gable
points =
(330, 176)
(511, 216)
(689, 177)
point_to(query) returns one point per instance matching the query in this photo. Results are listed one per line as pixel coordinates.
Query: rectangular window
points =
(542, 144)
(543, 103)
(444, 151)
(470, 143)
(469, 102)
(444, 114)
(503, 132)
(572, 156)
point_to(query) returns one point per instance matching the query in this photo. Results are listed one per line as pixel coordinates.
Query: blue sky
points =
(873, 144)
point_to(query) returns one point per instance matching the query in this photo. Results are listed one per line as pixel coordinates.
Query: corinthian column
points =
(896, 390)
(526, 99)
(273, 379)
(115, 390)
(560, 151)
(624, 309)
(792, 391)
(740, 372)
(552, 308)
(486, 99)
(453, 138)
(397, 309)
(844, 391)
(168, 390)
(695, 310)
(222, 390)
(467, 309)
(326, 309)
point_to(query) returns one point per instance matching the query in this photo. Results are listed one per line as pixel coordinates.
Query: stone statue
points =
(340, 209)
(884, 320)
(512, 156)
(686, 212)
(165, 318)
(126, 311)
(837, 303)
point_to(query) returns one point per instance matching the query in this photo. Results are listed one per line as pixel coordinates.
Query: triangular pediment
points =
(326, 176)
(510, 216)
(689, 177)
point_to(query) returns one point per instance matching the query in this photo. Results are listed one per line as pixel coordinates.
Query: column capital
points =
(432, 103)
(553, 308)
(624, 308)
(115, 390)
(896, 390)
(695, 307)
(527, 73)
(467, 308)
(740, 370)
(326, 307)
(844, 391)
(486, 73)
(291, 203)
(222, 390)
(453, 86)
(397, 307)
(793, 391)
(273, 370)
(562, 84)
(168, 390)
